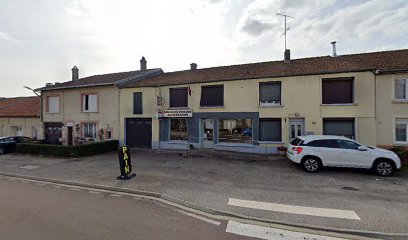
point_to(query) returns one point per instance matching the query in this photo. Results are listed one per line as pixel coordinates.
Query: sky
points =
(41, 40)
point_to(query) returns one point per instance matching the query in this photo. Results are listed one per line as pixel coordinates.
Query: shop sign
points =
(125, 164)
(178, 113)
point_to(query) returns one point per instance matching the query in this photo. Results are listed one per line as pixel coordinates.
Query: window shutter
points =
(93, 103)
(178, 97)
(337, 90)
(270, 92)
(212, 96)
(53, 104)
(270, 130)
(137, 103)
(340, 127)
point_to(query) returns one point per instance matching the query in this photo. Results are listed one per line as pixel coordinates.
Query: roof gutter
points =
(379, 72)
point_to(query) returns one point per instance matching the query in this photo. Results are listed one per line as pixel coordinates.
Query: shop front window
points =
(235, 130)
(178, 129)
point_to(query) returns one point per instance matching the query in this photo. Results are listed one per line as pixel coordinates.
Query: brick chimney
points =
(193, 66)
(286, 56)
(75, 73)
(143, 64)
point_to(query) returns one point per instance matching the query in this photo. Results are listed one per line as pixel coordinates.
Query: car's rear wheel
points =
(384, 167)
(2, 151)
(311, 164)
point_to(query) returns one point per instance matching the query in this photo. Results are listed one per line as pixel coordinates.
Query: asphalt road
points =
(44, 211)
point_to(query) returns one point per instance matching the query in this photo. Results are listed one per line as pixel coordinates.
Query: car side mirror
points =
(362, 148)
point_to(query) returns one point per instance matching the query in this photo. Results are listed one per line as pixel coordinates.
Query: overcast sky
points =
(41, 40)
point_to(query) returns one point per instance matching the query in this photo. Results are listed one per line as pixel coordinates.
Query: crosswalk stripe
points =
(311, 211)
(271, 233)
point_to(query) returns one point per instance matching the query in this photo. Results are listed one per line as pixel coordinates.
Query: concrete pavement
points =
(380, 203)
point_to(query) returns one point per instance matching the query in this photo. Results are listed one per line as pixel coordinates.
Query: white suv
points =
(314, 152)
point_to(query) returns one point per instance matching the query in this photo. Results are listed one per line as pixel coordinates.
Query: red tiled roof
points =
(20, 107)
(386, 61)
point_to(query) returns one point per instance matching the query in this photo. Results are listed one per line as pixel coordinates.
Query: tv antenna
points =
(286, 28)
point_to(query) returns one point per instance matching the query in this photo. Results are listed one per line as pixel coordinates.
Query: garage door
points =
(139, 132)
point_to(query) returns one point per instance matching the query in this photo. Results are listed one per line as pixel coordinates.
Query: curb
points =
(213, 212)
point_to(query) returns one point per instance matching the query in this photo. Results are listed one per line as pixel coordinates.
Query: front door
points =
(53, 132)
(296, 128)
(208, 133)
(69, 135)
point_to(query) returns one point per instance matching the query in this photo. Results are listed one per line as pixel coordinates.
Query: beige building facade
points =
(259, 107)
(20, 117)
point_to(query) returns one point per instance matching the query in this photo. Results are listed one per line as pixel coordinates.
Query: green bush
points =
(67, 151)
(402, 153)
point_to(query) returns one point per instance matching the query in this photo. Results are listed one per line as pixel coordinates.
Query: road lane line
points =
(204, 219)
(74, 189)
(311, 211)
(115, 195)
(94, 192)
(271, 233)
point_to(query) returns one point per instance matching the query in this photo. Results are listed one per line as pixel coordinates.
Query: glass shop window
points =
(235, 130)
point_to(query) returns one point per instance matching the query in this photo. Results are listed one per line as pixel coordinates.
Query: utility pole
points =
(286, 28)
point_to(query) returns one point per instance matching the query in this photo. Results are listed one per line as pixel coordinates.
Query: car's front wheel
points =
(311, 164)
(384, 167)
(2, 151)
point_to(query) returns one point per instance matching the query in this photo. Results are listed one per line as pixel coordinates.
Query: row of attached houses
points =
(20, 117)
(250, 107)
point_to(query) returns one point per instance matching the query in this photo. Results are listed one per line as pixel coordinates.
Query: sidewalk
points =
(380, 203)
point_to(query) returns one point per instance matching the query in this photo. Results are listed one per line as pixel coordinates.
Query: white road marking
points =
(30, 167)
(11, 179)
(115, 195)
(311, 211)
(271, 233)
(39, 184)
(56, 186)
(74, 189)
(24, 181)
(94, 192)
(207, 220)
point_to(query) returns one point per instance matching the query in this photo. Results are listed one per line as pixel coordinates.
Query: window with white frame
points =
(53, 104)
(89, 103)
(89, 130)
(401, 130)
(401, 89)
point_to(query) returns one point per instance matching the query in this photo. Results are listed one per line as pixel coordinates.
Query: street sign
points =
(125, 164)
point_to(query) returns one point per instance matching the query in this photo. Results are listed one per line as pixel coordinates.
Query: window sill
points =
(211, 107)
(177, 142)
(226, 144)
(177, 108)
(270, 106)
(340, 104)
(52, 112)
(89, 112)
(400, 143)
(270, 142)
(400, 101)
